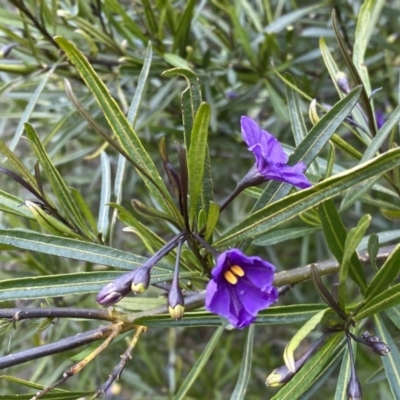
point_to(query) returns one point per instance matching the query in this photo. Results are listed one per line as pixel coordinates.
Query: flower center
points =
(232, 274)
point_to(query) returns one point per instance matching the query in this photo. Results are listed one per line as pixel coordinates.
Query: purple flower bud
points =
(141, 280)
(176, 302)
(231, 94)
(380, 348)
(343, 82)
(354, 388)
(115, 290)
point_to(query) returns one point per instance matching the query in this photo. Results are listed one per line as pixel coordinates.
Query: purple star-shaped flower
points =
(240, 287)
(271, 160)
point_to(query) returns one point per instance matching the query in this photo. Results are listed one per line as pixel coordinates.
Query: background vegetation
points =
(262, 58)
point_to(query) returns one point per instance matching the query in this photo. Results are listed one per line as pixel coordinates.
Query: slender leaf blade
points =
(199, 365)
(196, 156)
(274, 214)
(245, 367)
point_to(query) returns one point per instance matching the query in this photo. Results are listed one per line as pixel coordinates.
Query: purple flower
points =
(271, 160)
(240, 287)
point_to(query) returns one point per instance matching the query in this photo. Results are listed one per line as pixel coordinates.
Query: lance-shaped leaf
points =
(336, 235)
(49, 222)
(199, 365)
(245, 367)
(385, 276)
(310, 325)
(353, 239)
(391, 362)
(274, 214)
(196, 157)
(191, 99)
(313, 368)
(72, 248)
(103, 221)
(125, 134)
(150, 212)
(17, 165)
(57, 183)
(355, 75)
(325, 294)
(381, 302)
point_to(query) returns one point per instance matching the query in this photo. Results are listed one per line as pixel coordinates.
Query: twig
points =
(18, 314)
(60, 346)
(301, 274)
(115, 331)
(116, 374)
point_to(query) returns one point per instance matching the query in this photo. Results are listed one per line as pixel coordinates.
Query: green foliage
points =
(93, 97)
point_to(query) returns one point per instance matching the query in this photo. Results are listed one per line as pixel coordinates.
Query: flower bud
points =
(353, 388)
(176, 312)
(343, 82)
(176, 303)
(141, 280)
(380, 348)
(115, 290)
(279, 376)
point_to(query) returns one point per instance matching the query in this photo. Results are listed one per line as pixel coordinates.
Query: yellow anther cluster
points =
(232, 274)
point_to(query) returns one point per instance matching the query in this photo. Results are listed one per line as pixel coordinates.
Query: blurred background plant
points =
(265, 59)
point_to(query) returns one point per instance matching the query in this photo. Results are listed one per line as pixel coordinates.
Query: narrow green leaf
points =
(71, 248)
(353, 239)
(191, 99)
(120, 125)
(313, 367)
(212, 220)
(196, 156)
(296, 116)
(85, 210)
(288, 18)
(17, 165)
(33, 99)
(140, 89)
(240, 34)
(104, 208)
(57, 183)
(282, 235)
(364, 98)
(385, 275)
(344, 376)
(245, 367)
(277, 102)
(199, 365)
(40, 287)
(290, 348)
(391, 362)
(271, 316)
(182, 32)
(394, 315)
(381, 302)
(372, 149)
(363, 33)
(132, 27)
(312, 144)
(50, 223)
(274, 214)
(14, 205)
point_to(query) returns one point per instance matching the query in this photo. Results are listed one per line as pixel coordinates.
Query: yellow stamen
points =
(230, 277)
(237, 270)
